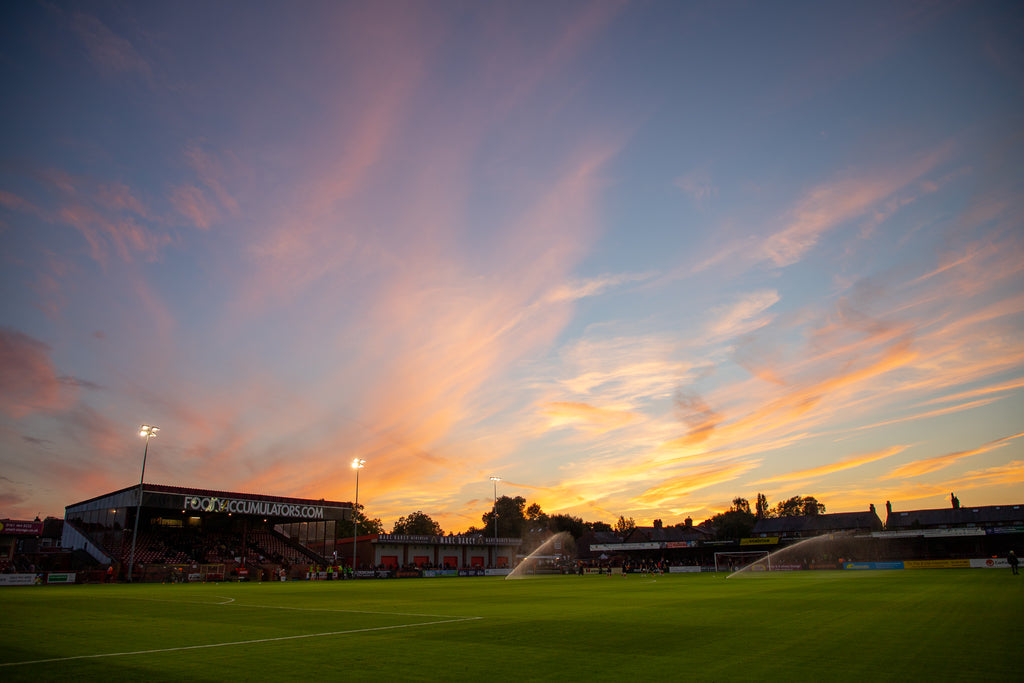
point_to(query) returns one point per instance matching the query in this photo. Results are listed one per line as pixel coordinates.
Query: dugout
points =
(190, 526)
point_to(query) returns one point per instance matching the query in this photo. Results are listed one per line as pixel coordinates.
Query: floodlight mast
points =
(147, 432)
(495, 551)
(357, 464)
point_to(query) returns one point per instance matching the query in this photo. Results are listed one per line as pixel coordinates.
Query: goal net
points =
(735, 561)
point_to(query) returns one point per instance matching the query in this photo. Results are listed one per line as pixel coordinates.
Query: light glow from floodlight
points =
(358, 463)
(148, 431)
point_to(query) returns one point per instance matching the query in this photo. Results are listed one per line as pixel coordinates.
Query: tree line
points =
(511, 517)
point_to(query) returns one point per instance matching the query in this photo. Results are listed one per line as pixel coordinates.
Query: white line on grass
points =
(238, 642)
(240, 605)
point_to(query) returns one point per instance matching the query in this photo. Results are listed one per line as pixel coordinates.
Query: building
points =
(955, 532)
(215, 535)
(805, 526)
(191, 526)
(407, 551)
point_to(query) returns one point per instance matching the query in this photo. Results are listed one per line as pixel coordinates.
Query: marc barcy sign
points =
(251, 507)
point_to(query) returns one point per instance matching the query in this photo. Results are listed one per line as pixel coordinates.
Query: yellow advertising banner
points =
(771, 540)
(936, 564)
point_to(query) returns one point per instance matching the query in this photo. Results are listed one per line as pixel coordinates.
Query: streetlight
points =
(147, 432)
(495, 480)
(357, 465)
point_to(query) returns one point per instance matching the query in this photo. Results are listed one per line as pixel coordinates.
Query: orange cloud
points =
(981, 391)
(929, 465)
(668, 492)
(838, 466)
(588, 416)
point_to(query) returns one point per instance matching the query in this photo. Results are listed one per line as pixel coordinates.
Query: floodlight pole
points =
(494, 553)
(357, 464)
(147, 432)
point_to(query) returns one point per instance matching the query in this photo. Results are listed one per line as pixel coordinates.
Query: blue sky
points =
(635, 258)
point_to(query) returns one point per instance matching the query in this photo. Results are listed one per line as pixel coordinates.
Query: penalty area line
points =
(237, 642)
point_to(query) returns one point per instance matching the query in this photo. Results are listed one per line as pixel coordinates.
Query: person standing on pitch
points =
(1012, 560)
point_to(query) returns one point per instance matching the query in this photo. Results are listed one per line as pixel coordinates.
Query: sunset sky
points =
(634, 258)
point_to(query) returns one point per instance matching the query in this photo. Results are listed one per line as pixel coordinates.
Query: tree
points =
(798, 506)
(812, 507)
(741, 505)
(417, 524)
(535, 516)
(624, 527)
(599, 527)
(574, 525)
(732, 523)
(511, 520)
(761, 507)
(366, 525)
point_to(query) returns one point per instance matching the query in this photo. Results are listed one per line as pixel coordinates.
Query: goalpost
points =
(735, 561)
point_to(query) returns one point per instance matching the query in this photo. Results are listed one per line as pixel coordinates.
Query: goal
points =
(735, 561)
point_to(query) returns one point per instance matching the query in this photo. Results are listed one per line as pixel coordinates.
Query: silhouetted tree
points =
(366, 525)
(761, 507)
(511, 520)
(798, 506)
(535, 516)
(741, 505)
(418, 523)
(732, 523)
(624, 527)
(574, 525)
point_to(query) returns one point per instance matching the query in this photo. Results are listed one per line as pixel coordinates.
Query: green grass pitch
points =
(837, 626)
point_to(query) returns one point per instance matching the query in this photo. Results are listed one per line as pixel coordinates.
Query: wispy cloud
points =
(837, 466)
(587, 416)
(192, 203)
(929, 465)
(822, 209)
(112, 54)
(698, 185)
(28, 378)
(742, 316)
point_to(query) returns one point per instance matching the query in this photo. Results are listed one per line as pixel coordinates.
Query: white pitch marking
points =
(307, 609)
(239, 642)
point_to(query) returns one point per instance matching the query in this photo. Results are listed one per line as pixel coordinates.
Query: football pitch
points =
(911, 625)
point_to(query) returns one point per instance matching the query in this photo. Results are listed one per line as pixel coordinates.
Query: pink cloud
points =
(28, 379)
(212, 174)
(827, 206)
(110, 52)
(191, 202)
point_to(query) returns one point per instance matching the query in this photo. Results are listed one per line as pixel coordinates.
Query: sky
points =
(634, 258)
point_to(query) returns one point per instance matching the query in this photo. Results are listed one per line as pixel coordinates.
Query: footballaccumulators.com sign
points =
(251, 507)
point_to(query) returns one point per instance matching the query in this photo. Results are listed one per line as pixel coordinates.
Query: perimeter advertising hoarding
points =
(990, 563)
(626, 546)
(18, 579)
(936, 564)
(873, 565)
(770, 540)
(18, 528)
(60, 577)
